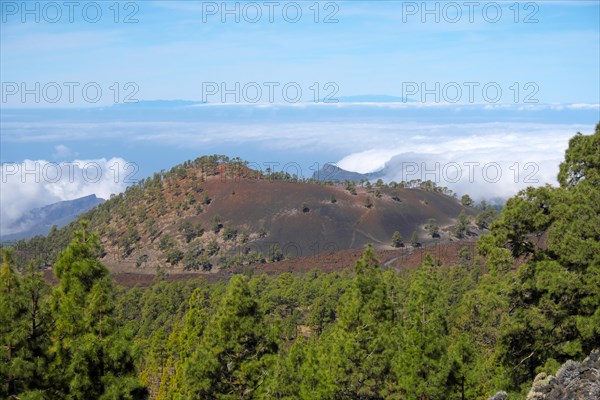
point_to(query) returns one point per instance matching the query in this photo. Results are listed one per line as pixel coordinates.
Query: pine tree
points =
(462, 225)
(236, 350)
(286, 377)
(23, 330)
(486, 215)
(466, 200)
(12, 332)
(397, 240)
(90, 358)
(554, 296)
(359, 349)
(422, 366)
(432, 227)
(414, 239)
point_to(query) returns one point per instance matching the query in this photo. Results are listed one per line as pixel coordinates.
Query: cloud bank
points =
(36, 183)
(485, 165)
(461, 147)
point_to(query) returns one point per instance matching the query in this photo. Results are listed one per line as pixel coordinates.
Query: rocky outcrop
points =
(502, 395)
(573, 381)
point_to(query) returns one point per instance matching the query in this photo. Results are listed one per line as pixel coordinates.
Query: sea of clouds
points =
(487, 152)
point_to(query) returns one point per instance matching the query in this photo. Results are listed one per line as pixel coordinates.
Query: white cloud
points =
(470, 163)
(584, 106)
(61, 152)
(35, 183)
(367, 161)
(368, 139)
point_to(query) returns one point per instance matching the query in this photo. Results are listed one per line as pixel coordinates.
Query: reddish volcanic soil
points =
(323, 235)
(399, 259)
(276, 206)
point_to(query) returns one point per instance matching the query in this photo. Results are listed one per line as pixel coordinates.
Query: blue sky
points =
(373, 48)
(540, 69)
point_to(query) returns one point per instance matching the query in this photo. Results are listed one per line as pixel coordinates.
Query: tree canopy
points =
(524, 302)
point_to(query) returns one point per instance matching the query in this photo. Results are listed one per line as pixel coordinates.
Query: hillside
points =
(215, 212)
(431, 322)
(39, 221)
(226, 219)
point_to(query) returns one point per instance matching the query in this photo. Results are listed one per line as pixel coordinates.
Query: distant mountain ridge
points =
(157, 104)
(39, 221)
(331, 172)
(374, 98)
(179, 103)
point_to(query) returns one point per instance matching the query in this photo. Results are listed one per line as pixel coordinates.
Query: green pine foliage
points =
(526, 301)
(422, 365)
(235, 352)
(359, 347)
(397, 240)
(90, 357)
